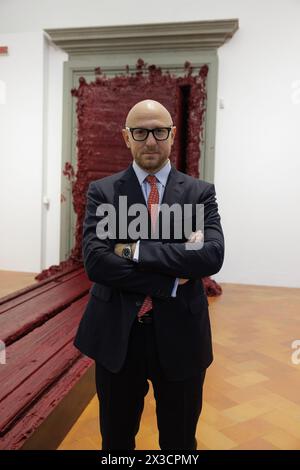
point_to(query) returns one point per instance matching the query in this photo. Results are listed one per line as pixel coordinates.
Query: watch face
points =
(126, 252)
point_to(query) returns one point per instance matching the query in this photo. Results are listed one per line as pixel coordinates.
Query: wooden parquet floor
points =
(252, 389)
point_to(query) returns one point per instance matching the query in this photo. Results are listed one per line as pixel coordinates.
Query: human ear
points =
(173, 133)
(126, 137)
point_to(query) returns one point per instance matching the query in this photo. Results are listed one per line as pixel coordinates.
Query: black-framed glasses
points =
(159, 133)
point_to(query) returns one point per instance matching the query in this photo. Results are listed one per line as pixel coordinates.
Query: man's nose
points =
(150, 139)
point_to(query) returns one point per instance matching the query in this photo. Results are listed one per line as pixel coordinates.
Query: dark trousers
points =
(121, 398)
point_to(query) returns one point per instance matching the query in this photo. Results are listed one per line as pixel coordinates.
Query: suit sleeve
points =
(175, 260)
(136, 259)
(102, 265)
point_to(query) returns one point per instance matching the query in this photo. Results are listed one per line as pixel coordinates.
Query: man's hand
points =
(195, 237)
(119, 248)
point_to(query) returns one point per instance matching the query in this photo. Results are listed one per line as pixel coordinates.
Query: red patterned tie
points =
(153, 198)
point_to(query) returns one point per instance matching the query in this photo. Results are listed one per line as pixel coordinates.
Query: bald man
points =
(147, 316)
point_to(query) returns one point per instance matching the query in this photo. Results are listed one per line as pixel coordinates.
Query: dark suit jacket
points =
(182, 325)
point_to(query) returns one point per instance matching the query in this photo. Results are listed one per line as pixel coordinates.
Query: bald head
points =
(150, 154)
(148, 109)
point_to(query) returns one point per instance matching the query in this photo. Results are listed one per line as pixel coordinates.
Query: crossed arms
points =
(159, 263)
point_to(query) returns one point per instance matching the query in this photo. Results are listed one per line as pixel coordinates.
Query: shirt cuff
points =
(136, 252)
(175, 287)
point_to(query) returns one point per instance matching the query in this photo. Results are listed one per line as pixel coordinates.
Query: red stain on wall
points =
(69, 172)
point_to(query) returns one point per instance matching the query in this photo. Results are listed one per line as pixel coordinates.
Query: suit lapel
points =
(174, 188)
(128, 185)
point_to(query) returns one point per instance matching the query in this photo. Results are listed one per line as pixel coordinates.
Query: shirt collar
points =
(161, 175)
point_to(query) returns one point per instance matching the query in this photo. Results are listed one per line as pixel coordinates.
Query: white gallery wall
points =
(21, 151)
(257, 163)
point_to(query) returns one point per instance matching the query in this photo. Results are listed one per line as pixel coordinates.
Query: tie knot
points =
(151, 179)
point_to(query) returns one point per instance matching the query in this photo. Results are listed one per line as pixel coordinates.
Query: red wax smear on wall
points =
(102, 107)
